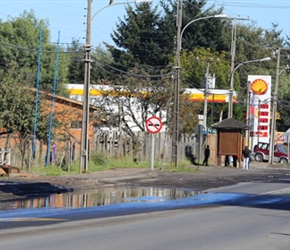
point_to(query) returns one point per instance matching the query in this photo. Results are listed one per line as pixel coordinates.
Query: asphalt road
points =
(252, 215)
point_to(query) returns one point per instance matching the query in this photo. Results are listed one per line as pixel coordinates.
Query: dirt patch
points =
(208, 177)
(205, 178)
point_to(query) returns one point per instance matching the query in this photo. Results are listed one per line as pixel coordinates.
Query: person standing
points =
(246, 155)
(206, 155)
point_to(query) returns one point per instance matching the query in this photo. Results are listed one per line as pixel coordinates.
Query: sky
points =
(68, 17)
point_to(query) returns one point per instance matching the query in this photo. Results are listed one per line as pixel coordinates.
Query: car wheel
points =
(258, 157)
(283, 161)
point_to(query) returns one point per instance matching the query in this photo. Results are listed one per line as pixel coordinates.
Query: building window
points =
(76, 125)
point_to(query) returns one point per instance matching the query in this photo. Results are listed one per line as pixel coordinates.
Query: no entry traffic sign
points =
(153, 125)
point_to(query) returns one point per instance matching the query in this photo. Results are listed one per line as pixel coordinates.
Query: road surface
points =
(244, 216)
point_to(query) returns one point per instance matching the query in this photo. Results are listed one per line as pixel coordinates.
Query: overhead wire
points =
(97, 60)
(133, 74)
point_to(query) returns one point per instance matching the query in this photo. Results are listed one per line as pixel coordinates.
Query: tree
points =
(204, 33)
(100, 59)
(211, 34)
(76, 65)
(20, 43)
(194, 65)
(188, 118)
(139, 42)
(17, 111)
(128, 106)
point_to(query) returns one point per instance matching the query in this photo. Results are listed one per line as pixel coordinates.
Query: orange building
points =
(68, 114)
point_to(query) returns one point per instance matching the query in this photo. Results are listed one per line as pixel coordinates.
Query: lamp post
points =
(231, 90)
(84, 157)
(206, 93)
(174, 155)
(206, 89)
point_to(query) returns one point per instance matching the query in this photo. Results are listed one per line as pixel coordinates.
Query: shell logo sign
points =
(259, 87)
(260, 97)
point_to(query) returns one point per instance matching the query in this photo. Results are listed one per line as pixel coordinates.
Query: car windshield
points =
(281, 149)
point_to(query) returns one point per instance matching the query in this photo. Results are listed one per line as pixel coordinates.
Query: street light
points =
(198, 19)
(231, 90)
(206, 92)
(87, 78)
(174, 154)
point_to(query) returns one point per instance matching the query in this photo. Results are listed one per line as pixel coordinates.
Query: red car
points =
(261, 153)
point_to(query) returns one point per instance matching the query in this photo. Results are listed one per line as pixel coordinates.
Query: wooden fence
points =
(5, 156)
(113, 145)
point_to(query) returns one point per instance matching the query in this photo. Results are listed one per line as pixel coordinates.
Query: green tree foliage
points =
(138, 40)
(17, 110)
(147, 38)
(202, 33)
(100, 58)
(188, 111)
(193, 70)
(101, 73)
(76, 65)
(195, 62)
(19, 44)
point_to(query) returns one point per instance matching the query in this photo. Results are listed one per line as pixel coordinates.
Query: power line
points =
(132, 74)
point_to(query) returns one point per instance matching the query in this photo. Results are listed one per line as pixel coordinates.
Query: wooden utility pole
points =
(231, 90)
(175, 127)
(86, 96)
(274, 109)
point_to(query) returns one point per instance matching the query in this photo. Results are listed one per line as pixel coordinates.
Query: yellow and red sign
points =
(260, 97)
(259, 87)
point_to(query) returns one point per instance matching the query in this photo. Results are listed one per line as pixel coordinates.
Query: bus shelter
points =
(230, 139)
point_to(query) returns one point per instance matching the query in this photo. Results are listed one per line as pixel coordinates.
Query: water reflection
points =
(103, 197)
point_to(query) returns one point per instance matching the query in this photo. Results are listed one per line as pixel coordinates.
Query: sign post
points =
(199, 131)
(153, 126)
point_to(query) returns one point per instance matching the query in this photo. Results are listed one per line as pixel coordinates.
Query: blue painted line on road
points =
(143, 205)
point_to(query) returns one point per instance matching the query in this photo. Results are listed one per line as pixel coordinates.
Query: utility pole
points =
(274, 109)
(205, 97)
(84, 159)
(233, 53)
(175, 135)
(86, 102)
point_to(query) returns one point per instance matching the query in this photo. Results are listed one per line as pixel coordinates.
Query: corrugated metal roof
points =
(230, 123)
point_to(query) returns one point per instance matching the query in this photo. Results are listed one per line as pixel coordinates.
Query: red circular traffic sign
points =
(153, 124)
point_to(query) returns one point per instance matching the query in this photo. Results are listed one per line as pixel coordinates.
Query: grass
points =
(101, 162)
(183, 166)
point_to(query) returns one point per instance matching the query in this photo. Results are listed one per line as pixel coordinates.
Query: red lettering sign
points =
(264, 106)
(263, 120)
(262, 127)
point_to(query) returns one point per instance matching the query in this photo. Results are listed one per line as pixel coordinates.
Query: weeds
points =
(101, 162)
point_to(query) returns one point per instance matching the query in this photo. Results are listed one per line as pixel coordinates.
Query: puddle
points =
(100, 197)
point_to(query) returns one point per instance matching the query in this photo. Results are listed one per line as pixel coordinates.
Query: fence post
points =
(7, 156)
(2, 156)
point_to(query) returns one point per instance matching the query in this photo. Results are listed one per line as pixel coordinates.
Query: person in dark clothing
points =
(206, 155)
(246, 158)
(227, 160)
